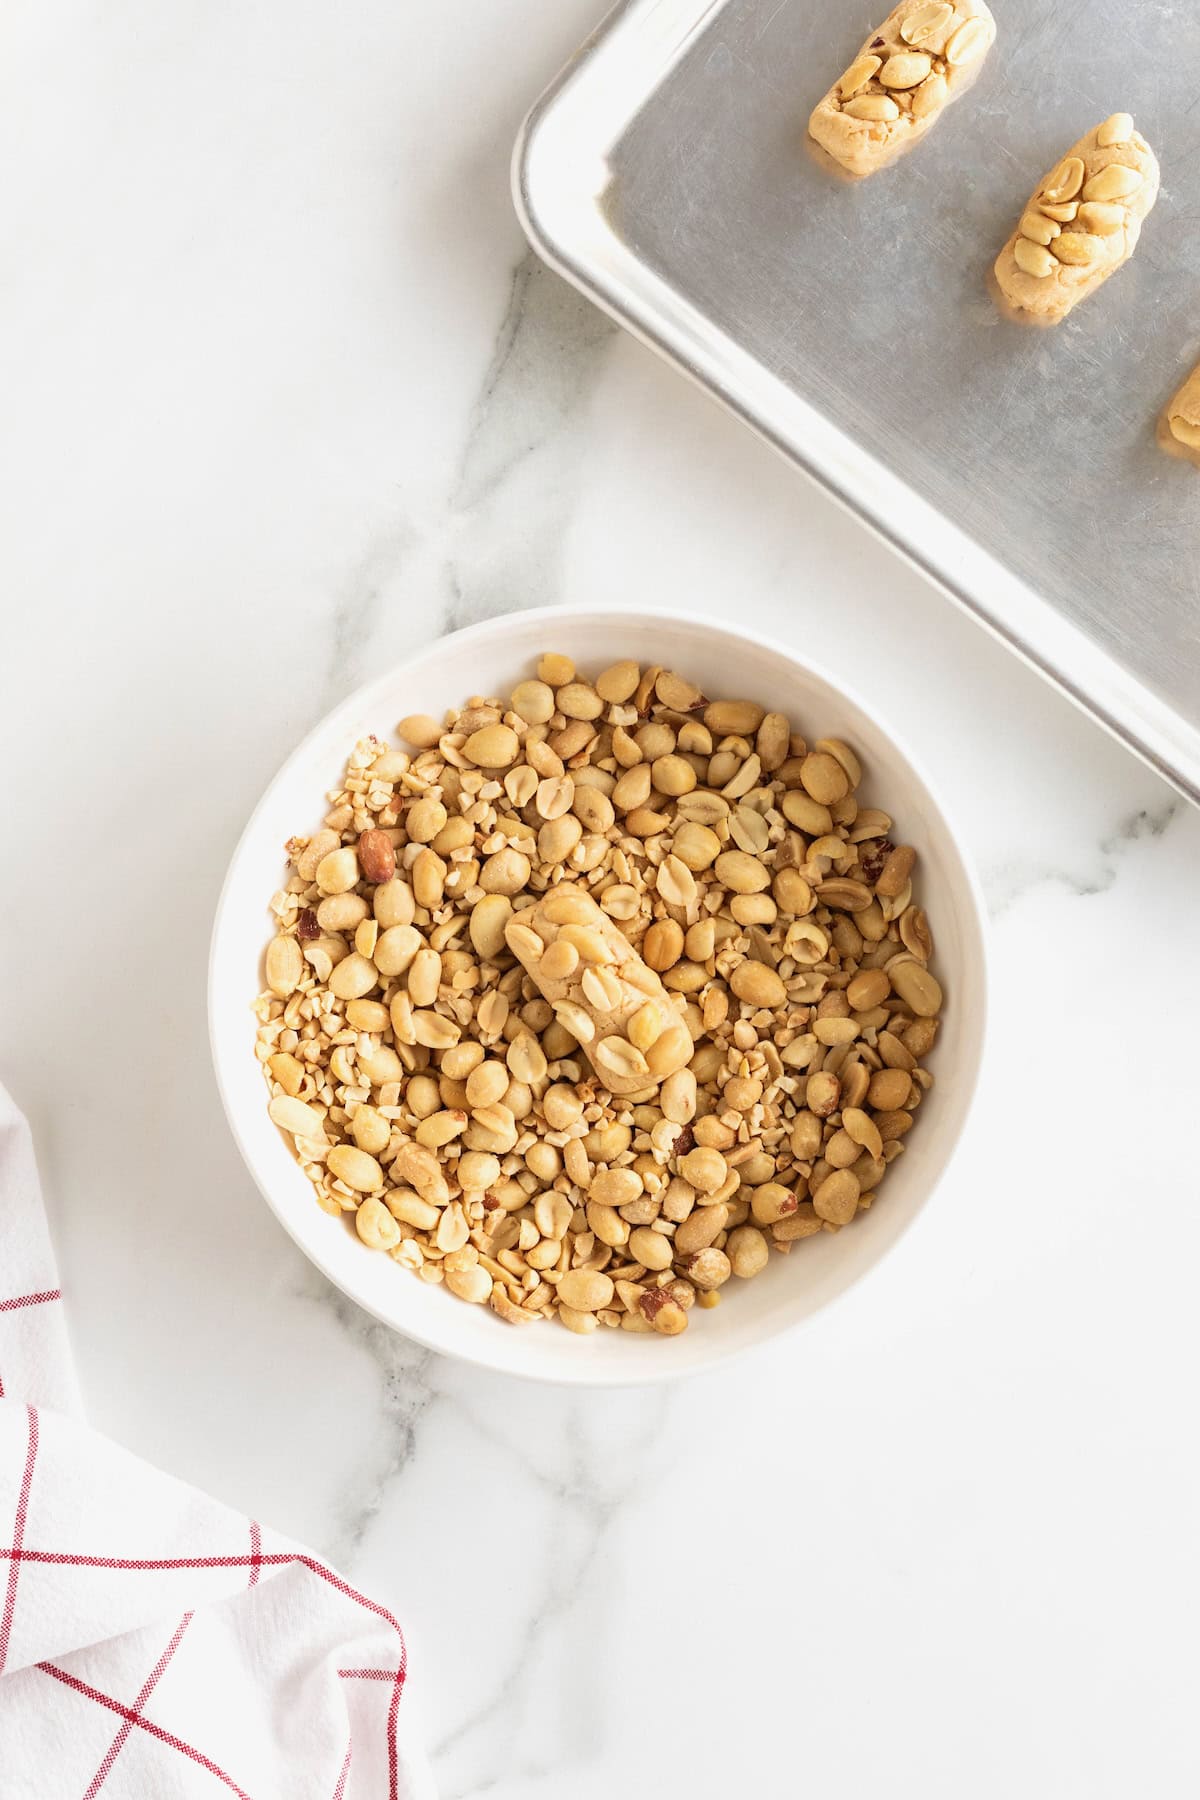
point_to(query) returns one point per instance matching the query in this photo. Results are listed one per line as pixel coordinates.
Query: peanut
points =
(376, 856)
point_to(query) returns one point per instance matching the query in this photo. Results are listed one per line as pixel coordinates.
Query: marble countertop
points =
(285, 397)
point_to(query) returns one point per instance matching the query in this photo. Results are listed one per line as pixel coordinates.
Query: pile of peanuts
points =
(584, 1003)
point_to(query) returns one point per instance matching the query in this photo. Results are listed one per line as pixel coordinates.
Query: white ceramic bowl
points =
(490, 658)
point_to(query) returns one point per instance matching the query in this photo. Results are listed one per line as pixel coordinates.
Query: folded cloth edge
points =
(99, 1551)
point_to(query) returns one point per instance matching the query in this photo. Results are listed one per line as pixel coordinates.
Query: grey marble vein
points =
(521, 464)
(407, 1392)
(590, 1495)
(369, 588)
(1012, 881)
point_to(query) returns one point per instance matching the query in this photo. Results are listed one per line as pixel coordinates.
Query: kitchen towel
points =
(153, 1643)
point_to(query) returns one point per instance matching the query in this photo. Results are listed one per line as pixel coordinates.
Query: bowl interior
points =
(489, 659)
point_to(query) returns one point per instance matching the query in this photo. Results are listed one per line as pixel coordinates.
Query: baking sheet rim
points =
(560, 171)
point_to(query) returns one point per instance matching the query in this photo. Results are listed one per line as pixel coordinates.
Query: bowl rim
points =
(368, 695)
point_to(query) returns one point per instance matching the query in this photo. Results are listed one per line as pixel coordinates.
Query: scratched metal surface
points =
(869, 298)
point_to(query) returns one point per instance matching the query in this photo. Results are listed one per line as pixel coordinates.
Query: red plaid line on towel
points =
(17, 1301)
(14, 1567)
(151, 1640)
(148, 1687)
(132, 1718)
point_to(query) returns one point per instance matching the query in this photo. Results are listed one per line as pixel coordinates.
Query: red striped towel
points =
(154, 1643)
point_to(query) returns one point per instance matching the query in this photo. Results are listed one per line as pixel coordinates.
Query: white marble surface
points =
(283, 397)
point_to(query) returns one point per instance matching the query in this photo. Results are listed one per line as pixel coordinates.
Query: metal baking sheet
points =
(666, 173)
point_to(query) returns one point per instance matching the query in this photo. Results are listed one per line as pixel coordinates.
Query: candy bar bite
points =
(1081, 223)
(600, 988)
(1179, 423)
(924, 55)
